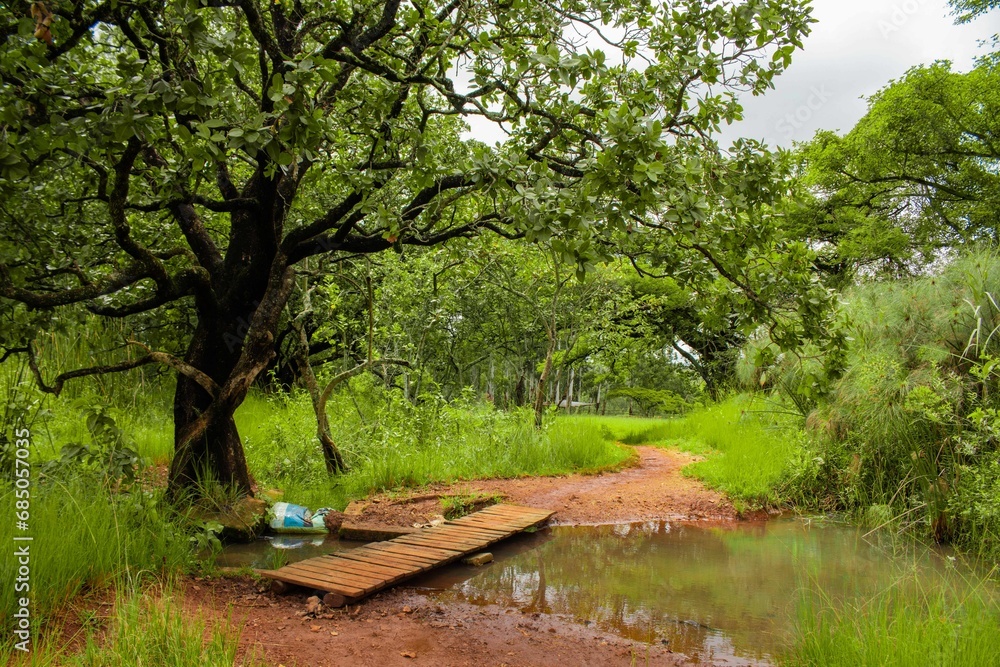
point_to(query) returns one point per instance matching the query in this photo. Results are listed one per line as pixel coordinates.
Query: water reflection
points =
(261, 553)
(712, 593)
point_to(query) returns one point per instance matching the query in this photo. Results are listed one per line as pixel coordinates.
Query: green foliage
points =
(966, 10)
(146, 189)
(151, 627)
(908, 435)
(916, 175)
(110, 458)
(390, 443)
(750, 453)
(652, 401)
(86, 536)
(455, 507)
(905, 625)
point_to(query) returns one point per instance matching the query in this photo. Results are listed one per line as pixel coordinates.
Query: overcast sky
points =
(855, 49)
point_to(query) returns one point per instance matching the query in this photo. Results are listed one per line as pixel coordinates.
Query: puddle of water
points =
(713, 593)
(275, 550)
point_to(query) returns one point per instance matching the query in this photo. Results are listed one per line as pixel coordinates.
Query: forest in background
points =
(823, 324)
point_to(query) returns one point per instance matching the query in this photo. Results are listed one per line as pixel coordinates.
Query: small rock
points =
(478, 559)
(408, 654)
(315, 628)
(334, 601)
(334, 633)
(355, 508)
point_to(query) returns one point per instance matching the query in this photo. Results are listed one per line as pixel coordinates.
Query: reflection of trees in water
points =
(704, 589)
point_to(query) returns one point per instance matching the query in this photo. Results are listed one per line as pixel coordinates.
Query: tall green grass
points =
(750, 447)
(389, 444)
(956, 624)
(910, 434)
(148, 626)
(86, 537)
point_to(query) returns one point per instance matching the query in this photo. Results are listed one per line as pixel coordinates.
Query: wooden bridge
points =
(360, 572)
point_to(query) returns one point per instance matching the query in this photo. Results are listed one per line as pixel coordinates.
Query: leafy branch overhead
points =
(187, 156)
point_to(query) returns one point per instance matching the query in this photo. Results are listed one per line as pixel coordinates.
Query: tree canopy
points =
(916, 175)
(187, 157)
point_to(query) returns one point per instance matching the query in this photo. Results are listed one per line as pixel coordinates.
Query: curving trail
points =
(402, 627)
(654, 489)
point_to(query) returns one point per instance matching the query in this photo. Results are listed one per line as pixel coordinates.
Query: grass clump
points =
(148, 626)
(904, 626)
(391, 443)
(86, 537)
(157, 631)
(455, 507)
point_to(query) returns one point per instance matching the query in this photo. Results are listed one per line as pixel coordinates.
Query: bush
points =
(912, 427)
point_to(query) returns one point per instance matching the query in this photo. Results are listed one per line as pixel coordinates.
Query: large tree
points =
(196, 152)
(916, 175)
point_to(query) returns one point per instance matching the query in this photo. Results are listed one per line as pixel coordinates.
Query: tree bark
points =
(540, 389)
(217, 453)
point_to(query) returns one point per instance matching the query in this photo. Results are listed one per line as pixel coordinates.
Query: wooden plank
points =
(396, 559)
(367, 584)
(530, 516)
(502, 514)
(428, 552)
(413, 552)
(443, 542)
(508, 526)
(361, 569)
(470, 534)
(359, 572)
(390, 563)
(316, 582)
(324, 567)
(374, 565)
(476, 530)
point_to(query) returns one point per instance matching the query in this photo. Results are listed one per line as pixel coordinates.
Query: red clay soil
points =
(653, 489)
(403, 627)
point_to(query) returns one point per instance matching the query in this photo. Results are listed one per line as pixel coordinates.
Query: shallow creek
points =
(716, 593)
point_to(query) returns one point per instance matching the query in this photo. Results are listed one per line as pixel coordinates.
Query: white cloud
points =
(855, 49)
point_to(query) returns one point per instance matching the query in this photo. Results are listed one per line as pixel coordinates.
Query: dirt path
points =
(654, 489)
(403, 627)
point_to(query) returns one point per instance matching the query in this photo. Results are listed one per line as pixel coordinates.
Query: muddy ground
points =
(404, 627)
(653, 489)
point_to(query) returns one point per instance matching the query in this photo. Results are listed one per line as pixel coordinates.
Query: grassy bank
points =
(750, 447)
(120, 533)
(389, 443)
(148, 625)
(86, 538)
(904, 626)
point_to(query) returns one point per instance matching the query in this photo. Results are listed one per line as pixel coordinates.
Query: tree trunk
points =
(540, 390)
(569, 392)
(219, 452)
(233, 344)
(332, 457)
